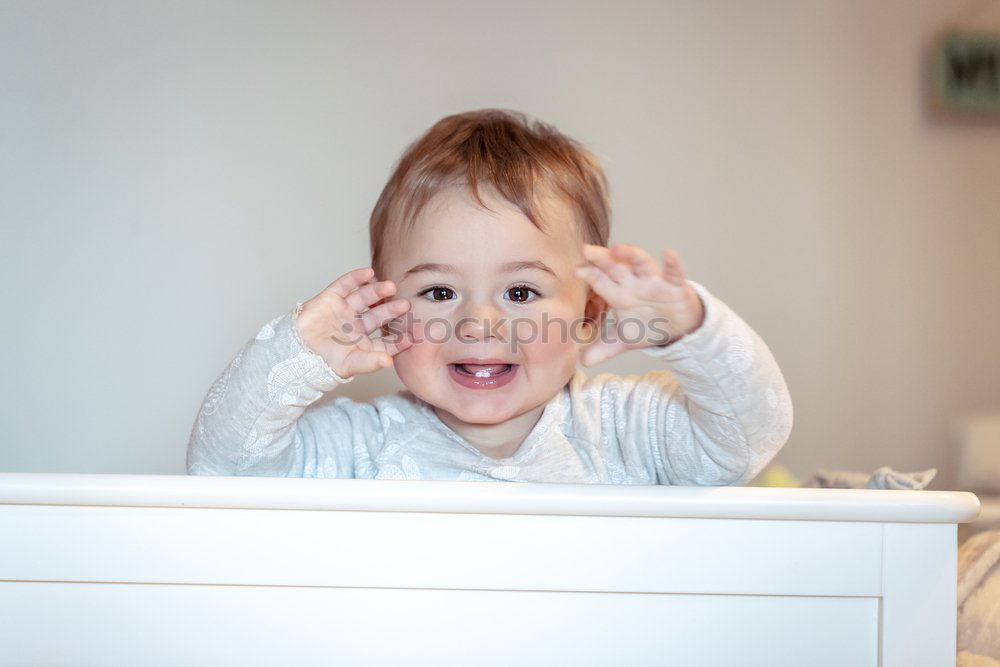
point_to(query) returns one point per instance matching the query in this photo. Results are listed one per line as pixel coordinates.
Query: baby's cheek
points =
(434, 331)
(421, 355)
(546, 339)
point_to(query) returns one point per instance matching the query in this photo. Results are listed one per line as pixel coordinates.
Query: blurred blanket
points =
(883, 478)
(979, 600)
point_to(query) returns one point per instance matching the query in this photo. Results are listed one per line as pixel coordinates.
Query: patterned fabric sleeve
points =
(722, 412)
(249, 423)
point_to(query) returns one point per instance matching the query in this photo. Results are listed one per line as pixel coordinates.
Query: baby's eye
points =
(522, 293)
(439, 293)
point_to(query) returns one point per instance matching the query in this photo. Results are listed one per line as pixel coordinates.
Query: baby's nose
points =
(480, 323)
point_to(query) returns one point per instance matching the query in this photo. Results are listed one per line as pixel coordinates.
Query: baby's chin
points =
(477, 411)
(481, 414)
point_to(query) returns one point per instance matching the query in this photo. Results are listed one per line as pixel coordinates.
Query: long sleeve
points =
(722, 411)
(251, 422)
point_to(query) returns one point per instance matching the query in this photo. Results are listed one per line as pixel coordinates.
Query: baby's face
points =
(489, 287)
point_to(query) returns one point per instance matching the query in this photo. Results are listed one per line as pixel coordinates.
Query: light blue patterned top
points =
(714, 412)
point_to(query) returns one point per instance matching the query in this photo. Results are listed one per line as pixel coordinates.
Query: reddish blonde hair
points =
(504, 149)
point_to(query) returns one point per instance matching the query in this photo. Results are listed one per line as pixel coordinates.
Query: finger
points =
(373, 318)
(673, 270)
(367, 295)
(605, 287)
(360, 361)
(601, 257)
(671, 260)
(350, 332)
(350, 281)
(641, 261)
(393, 344)
(601, 351)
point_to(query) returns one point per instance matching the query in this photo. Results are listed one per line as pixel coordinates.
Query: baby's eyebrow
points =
(521, 266)
(508, 267)
(436, 268)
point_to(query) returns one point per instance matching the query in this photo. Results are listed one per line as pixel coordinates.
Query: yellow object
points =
(776, 475)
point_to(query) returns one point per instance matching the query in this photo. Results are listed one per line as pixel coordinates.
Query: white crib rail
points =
(170, 570)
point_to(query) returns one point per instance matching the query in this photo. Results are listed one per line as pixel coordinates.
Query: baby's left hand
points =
(641, 294)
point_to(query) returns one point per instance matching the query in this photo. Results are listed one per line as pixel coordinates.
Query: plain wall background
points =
(173, 175)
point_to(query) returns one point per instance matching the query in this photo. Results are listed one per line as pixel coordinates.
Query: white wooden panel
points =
(920, 598)
(436, 550)
(150, 625)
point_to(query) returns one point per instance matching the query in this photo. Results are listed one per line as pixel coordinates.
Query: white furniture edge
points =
(876, 505)
(120, 566)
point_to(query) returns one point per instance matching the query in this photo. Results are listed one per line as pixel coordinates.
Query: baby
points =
(490, 280)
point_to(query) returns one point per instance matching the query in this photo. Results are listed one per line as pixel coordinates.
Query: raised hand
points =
(337, 322)
(652, 305)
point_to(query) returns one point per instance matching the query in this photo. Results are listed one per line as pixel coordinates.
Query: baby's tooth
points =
(482, 374)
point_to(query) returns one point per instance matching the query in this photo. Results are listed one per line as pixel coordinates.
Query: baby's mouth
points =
(483, 370)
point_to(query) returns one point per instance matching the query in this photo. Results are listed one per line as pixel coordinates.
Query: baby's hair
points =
(502, 148)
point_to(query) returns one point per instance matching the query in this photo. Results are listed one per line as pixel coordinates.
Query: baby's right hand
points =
(337, 322)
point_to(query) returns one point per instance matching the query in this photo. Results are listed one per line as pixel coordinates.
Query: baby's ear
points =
(596, 308)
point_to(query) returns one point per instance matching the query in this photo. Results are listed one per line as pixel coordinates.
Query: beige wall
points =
(172, 175)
